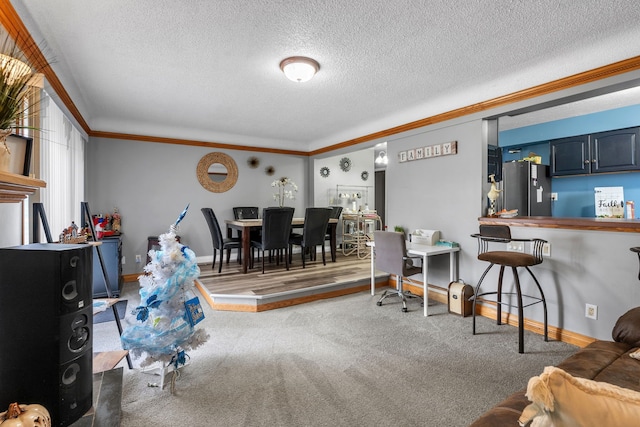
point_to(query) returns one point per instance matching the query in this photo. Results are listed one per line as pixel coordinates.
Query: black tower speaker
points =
(46, 328)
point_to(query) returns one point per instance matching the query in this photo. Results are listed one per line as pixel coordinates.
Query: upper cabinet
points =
(612, 151)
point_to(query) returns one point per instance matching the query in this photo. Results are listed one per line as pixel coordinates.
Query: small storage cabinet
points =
(112, 254)
(612, 151)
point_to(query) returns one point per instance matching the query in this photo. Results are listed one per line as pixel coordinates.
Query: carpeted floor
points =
(336, 362)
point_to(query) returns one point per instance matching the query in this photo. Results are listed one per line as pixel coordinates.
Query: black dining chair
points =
(247, 212)
(336, 211)
(313, 234)
(219, 243)
(276, 228)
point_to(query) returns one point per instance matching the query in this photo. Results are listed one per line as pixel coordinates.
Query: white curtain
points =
(61, 167)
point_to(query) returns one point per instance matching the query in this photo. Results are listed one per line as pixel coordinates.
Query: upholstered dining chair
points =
(336, 211)
(276, 228)
(313, 234)
(501, 234)
(390, 253)
(247, 212)
(219, 243)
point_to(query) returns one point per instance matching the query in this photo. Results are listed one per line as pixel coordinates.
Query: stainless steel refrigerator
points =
(526, 186)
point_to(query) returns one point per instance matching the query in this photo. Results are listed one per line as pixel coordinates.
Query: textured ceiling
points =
(208, 69)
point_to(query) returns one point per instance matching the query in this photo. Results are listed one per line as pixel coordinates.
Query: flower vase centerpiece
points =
(16, 77)
(286, 188)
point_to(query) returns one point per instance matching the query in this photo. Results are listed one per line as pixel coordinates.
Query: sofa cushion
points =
(588, 362)
(627, 328)
(561, 400)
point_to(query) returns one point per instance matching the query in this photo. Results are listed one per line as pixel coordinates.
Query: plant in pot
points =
(16, 77)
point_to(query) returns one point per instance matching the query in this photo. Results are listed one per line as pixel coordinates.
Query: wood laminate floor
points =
(277, 287)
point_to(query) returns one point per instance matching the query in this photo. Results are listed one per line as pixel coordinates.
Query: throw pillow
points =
(561, 400)
(627, 328)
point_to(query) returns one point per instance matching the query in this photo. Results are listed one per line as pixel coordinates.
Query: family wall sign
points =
(429, 152)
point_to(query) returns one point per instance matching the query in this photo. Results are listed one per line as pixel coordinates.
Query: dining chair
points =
(276, 228)
(336, 211)
(220, 243)
(313, 234)
(391, 257)
(247, 212)
(501, 234)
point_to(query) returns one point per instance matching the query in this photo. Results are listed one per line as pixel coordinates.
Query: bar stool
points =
(502, 234)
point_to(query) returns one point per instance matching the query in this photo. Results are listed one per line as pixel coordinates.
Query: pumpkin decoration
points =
(33, 415)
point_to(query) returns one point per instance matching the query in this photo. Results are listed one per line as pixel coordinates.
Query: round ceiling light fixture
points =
(299, 68)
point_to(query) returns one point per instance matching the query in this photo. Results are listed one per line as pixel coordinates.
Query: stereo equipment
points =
(46, 328)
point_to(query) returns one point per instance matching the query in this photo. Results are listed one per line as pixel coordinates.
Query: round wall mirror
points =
(217, 172)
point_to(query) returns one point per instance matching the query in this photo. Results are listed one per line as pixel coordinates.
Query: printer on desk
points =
(425, 237)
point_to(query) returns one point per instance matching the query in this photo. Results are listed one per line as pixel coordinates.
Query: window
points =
(62, 160)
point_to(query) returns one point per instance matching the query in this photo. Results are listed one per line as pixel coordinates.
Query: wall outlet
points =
(138, 259)
(515, 246)
(122, 260)
(591, 311)
(554, 197)
(546, 249)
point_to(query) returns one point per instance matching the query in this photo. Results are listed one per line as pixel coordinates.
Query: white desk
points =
(424, 251)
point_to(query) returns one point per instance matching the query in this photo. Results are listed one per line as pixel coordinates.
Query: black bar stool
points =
(502, 234)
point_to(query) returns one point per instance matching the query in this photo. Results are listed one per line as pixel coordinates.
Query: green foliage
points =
(15, 75)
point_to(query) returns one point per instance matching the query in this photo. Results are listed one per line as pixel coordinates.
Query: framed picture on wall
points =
(21, 148)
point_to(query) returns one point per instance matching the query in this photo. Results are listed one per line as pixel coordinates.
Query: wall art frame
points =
(21, 148)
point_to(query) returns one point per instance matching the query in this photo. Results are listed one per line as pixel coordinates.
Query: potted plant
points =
(15, 78)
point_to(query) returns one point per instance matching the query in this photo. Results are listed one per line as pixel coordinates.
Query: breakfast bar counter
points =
(595, 224)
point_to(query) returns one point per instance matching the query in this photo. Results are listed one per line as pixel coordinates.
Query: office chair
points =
(391, 257)
(220, 243)
(316, 221)
(490, 234)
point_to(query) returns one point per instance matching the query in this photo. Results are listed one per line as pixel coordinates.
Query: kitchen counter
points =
(596, 224)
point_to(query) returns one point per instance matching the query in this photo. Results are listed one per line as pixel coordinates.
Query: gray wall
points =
(151, 183)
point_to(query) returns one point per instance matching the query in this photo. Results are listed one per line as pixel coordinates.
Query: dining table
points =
(246, 225)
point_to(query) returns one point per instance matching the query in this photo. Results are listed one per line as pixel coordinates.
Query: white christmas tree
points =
(169, 309)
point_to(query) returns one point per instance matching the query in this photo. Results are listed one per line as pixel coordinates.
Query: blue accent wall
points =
(576, 193)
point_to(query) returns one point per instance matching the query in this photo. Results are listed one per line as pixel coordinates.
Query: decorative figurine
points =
(493, 195)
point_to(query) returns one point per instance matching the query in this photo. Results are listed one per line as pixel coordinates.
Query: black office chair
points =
(490, 234)
(276, 228)
(391, 257)
(313, 234)
(220, 243)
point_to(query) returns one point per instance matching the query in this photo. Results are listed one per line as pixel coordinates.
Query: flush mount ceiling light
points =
(299, 68)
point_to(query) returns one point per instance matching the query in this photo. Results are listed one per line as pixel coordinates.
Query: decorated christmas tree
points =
(169, 310)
